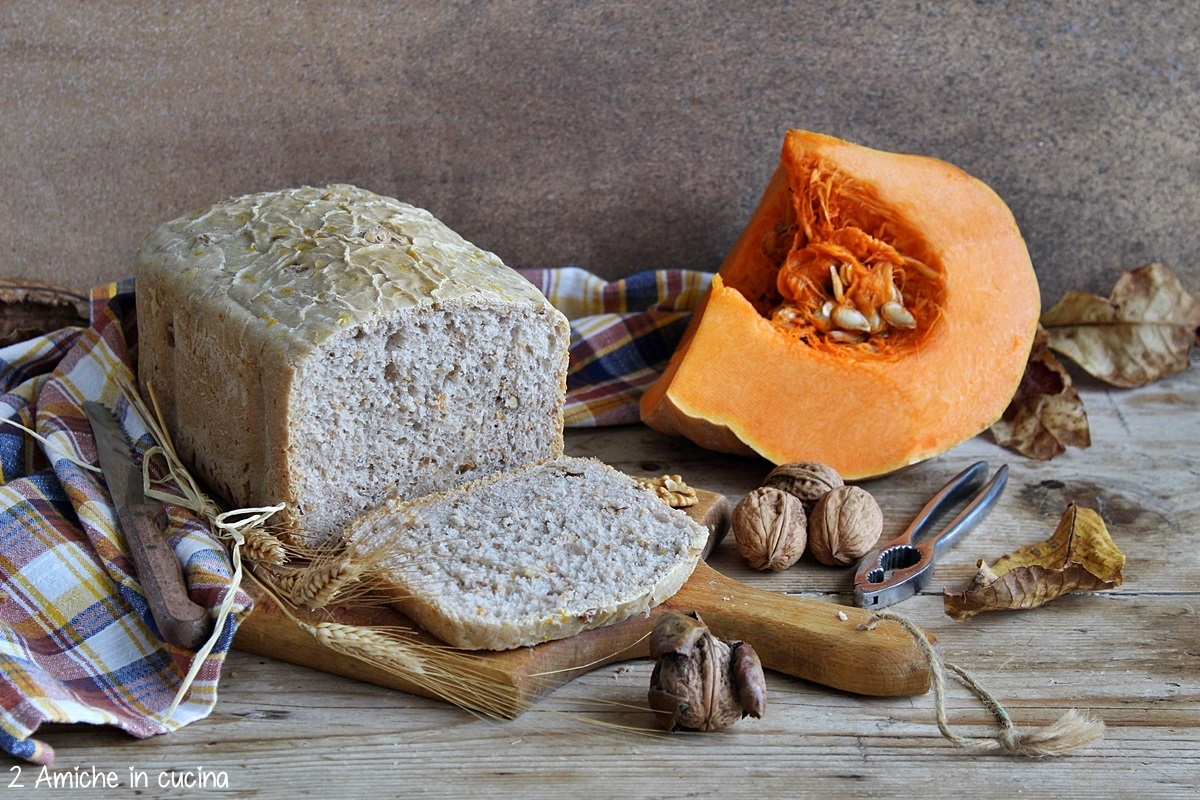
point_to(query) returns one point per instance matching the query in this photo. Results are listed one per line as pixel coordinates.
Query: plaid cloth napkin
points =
(77, 641)
(622, 335)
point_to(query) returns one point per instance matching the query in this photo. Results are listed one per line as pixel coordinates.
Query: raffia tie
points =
(1072, 731)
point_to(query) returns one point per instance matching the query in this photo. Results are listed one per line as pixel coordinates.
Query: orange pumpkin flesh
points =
(763, 369)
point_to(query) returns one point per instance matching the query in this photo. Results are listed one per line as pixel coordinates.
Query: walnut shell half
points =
(700, 682)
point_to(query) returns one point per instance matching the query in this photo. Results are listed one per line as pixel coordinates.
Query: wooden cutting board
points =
(804, 638)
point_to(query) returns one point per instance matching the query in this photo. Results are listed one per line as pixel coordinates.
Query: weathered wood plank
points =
(1131, 656)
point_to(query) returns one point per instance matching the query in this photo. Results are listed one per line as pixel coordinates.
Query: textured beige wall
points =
(615, 136)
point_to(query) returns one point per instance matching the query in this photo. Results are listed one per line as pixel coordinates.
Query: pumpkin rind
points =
(738, 383)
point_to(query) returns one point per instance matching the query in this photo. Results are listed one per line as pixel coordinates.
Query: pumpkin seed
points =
(897, 315)
(846, 337)
(786, 314)
(839, 292)
(849, 319)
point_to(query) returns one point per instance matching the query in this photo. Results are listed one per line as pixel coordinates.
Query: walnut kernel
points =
(844, 526)
(670, 489)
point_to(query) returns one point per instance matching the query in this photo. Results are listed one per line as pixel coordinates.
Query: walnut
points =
(671, 489)
(700, 682)
(770, 528)
(845, 525)
(807, 480)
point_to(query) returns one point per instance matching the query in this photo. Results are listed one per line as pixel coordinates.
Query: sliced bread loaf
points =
(532, 555)
(323, 346)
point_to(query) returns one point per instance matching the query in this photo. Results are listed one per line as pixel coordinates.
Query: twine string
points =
(51, 446)
(1071, 732)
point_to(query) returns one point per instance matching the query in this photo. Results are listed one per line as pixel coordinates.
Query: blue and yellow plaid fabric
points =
(622, 335)
(77, 641)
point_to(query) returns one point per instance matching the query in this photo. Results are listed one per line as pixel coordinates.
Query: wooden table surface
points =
(1131, 656)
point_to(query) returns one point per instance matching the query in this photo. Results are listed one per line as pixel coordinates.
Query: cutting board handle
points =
(807, 638)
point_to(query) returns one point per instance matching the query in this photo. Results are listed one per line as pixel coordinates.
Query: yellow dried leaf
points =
(1141, 333)
(1080, 556)
(1046, 414)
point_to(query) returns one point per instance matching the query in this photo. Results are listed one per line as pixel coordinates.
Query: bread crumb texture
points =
(536, 554)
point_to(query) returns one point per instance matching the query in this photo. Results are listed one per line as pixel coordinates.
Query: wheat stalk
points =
(456, 676)
(324, 573)
(262, 547)
(316, 585)
(370, 643)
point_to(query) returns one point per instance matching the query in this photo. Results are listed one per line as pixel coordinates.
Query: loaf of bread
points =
(323, 347)
(532, 555)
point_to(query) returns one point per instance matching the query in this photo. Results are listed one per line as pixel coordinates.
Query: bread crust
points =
(233, 298)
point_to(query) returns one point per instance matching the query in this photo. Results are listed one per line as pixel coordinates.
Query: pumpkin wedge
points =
(877, 310)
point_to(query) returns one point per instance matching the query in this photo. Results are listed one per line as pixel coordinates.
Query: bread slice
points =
(537, 554)
(321, 347)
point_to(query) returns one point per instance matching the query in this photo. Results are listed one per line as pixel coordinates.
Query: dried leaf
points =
(1046, 415)
(1143, 332)
(1080, 556)
(31, 308)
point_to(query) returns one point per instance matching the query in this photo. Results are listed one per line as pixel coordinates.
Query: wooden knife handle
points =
(807, 638)
(180, 621)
